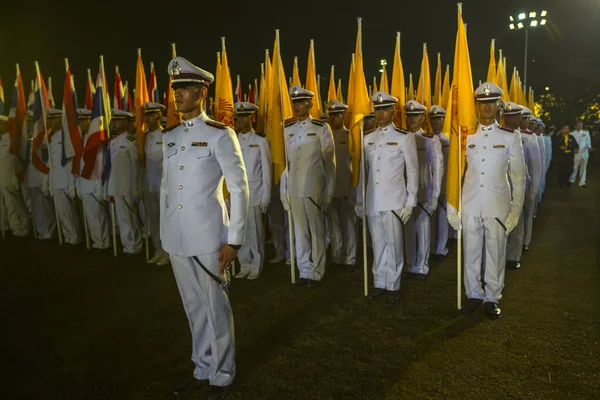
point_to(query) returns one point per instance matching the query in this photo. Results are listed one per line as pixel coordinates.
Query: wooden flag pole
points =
(459, 233)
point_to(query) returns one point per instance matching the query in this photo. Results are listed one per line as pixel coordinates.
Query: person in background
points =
(581, 157)
(565, 147)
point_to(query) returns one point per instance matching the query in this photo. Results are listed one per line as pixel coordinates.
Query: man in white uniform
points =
(581, 157)
(198, 234)
(15, 209)
(259, 169)
(153, 149)
(533, 127)
(309, 184)
(534, 164)
(514, 119)
(439, 222)
(390, 152)
(123, 183)
(488, 213)
(91, 193)
(62, 182)
(431, 171)
(37, 183)
(341, 212)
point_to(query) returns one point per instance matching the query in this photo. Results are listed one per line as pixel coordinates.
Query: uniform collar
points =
(195, 121)
(489, 127)
(247, 133)
(387, 128)
(306, 121)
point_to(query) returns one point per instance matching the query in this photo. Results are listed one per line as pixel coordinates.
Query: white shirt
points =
(94, 184)
(310, 154)
(154, 157)
(584, 141)
(445, 142)
(343, 164)
(197, 155)
(124, 166)
(388, 152)
(7, 163)
(256, 153)
(486, 192)
(60, 175)
(431, 166)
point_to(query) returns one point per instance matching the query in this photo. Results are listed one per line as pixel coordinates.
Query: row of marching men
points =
(61, 201)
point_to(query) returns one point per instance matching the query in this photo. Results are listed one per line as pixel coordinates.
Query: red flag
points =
(16, 115)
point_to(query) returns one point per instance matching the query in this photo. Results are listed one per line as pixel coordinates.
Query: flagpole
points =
(289, 213)
(459, 233)
(114, 226)
(58, 224)
(2, 215)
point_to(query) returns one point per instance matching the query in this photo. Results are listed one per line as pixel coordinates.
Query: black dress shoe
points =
(439, 257)
(492, 310)
(300, 282)
(408, 275)
(471, 305)
(584, 186)
(393, 297)
(513, 264)
(525, 248)
(312, 284)
(191, 386)
(377, 293)
(420, 277)
(218, 393)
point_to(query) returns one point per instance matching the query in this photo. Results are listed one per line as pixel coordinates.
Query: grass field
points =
(82, 325)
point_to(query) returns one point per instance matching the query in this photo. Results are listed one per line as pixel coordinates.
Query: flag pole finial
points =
(66, 63)
(116, 69)
(151, 64)
(18, 70)
(459, 5)
(139, 52)
(223, 43)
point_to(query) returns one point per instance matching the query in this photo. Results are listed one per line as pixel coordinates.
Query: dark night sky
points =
(564, 55)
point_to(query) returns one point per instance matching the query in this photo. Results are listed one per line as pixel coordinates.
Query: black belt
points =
(423, 208)
(316, 205)
(399, 219)
(135, 212)
(501, 224)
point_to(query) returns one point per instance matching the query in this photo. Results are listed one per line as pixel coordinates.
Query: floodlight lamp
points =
(547, 88)
(543, 22)
(520, 25)
(543, 13)
(534, 23)
(532, 15)
(511, 26)
(522, 16)
(511, 18)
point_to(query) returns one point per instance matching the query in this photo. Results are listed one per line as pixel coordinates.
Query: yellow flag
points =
(339, 91)
(462, 112)
(491, 75)
(361, 106)
(398, 85)
(411, 89)
(262, 101)
(331, 94)
(279, 108)
(514, 90)
(311, 82)
(350, 99)
(383, 84)
(296, 74)
(437, 92)
(215, 110)
(504, 85)
(446, 90)
(224, 91)
(375, 89)
(499, 70)
(141, 97)
(173, 116)
(424, 87)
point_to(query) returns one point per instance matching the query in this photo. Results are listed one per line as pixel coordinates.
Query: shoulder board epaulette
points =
(427, 135)
(131, 138)
(289, 123)
(215, 124)
(317, 122)
(400, 130)
(505, 129)
(169, 129)
(260, 134)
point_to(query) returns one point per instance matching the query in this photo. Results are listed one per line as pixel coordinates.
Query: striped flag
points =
(72, 140)
(90, 90)
(238, 96)
(141, 97)
(40, 114)
(50, 95)
(153, 89)
(93, 150)
(119, 93)
(16, 115)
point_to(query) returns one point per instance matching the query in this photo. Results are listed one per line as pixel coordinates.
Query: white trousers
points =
(514, 243)
(343, 231)
(97, 221)
(278, 224)
(439, 229)
(15, 210)
(388, 249)
(210, 317)
(129, 224)
(44, 215)
(68, 216)
(252, 252)
(418, 241)
(153, 219)
(527, 213)
(484, 243)
(309, 232)
(26, 199)
(579, 164)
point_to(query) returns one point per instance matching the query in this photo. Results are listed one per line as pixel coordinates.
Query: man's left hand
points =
(226, 257)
